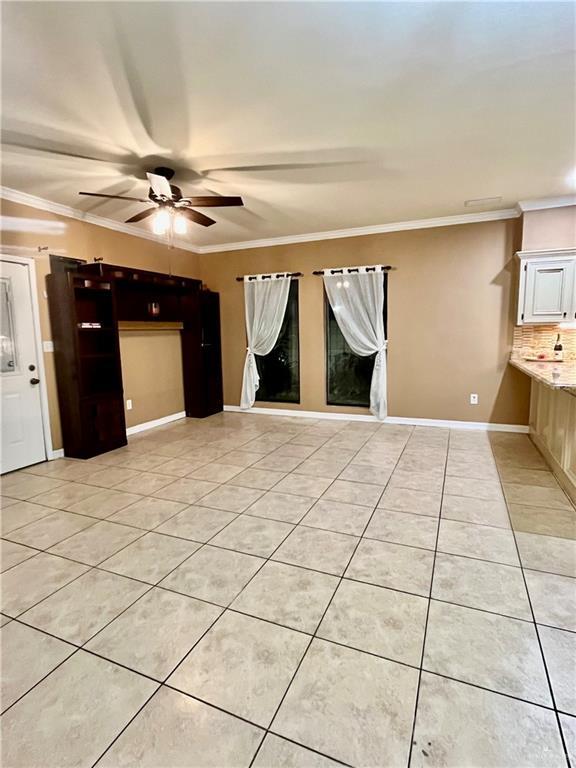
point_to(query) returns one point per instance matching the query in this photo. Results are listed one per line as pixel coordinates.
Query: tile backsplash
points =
(532, 339)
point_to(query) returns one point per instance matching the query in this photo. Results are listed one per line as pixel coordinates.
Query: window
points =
(279, 370)
(348, 376)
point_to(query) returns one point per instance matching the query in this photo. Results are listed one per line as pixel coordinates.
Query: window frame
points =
(327, 310)
(293, 291)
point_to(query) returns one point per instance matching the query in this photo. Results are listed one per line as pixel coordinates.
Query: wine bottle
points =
(558, 350)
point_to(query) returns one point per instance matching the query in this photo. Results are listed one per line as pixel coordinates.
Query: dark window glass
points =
(348, 376)
(279, 370)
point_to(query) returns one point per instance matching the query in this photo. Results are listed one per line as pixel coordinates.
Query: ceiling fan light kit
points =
(170, 209)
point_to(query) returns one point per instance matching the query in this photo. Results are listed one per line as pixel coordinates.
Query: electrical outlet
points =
(473, 399)
(128, 405)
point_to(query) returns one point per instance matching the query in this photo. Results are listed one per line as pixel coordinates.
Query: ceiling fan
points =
(171, 210)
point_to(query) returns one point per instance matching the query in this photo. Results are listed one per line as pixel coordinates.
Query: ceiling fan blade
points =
(284, 166)
(197, 217)
(114, 197)
(141, 215)
(213, 201)
(160, 185)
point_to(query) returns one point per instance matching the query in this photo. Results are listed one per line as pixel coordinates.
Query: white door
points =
(548, 296)
(22, 428)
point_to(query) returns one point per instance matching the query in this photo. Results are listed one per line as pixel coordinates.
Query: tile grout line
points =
(535, 624)
(421, 666)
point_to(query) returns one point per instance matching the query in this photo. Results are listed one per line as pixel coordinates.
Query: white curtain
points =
(357, 301)
(265, 305)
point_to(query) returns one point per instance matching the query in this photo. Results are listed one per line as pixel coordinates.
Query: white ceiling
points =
(411, 108)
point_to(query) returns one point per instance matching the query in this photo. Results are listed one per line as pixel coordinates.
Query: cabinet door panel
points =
(548, 296)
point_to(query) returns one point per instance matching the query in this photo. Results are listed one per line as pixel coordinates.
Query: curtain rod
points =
(351, 270)
(272, 276)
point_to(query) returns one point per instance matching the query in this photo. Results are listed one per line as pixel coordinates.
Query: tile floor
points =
(278, 592)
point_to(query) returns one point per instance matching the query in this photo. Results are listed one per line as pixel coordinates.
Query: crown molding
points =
(543, 203)
(40, 203)
(14, 196)
(377, 229)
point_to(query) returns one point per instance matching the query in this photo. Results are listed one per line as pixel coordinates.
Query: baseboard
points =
(57, 454)
(155, 423)
(446, 424)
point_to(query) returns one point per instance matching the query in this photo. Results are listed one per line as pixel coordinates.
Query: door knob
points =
(34, 381)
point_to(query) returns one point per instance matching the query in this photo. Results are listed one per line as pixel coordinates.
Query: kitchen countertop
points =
(554, 375)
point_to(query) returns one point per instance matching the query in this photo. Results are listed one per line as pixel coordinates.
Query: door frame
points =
(49, 451)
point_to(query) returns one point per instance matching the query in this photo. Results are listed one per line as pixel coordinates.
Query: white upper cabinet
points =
(547, 287)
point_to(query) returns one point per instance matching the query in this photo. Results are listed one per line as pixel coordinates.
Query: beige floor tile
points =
(185, 490)
(295, 450)
(528, 477)
(150, 558)
(317, 549)
(408, 500)
(178, 467)
(252, 535)
(104, 503)
(544, 520)
(143, 461)
(547, 553)
(31, 581)
(478, 511)
(12, 554)
(213, 574)
(27, 657)
(485, 649)
(316, 467)
(20, 485)
(264, 479)
(197, 523)
(21, 513)
(553, 599)
(80, 609)
(173, 727)
(285, 594)
(66, 495)
(392, 565)
(279, 462)
(560, 654)
(568, 725)
(285, 507)
(62, 469)
(537, 496)
(338, 516)
(458, 725)
(95, 544)
(415, 462)
(240, 458)
(215, 472)
(489, 490)
(431, 482)
(330, 683)
(480, 541)
(483, 585)
(354, 492)
(79, 709)
(301, 485)
(147, 484)
(148, 513)
(51, 529)
(231, 498)
(155, 633)
(474, 468)
(403, 528)
(358, 473)
(111, 476)
(285, 754)
(242, 665)
(377, 620)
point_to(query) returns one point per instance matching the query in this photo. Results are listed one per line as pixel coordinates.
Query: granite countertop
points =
(554, 375)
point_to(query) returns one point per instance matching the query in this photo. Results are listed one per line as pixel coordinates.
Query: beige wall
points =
(451, 305)
(151, 374)
(551, 228)
(87, 241)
